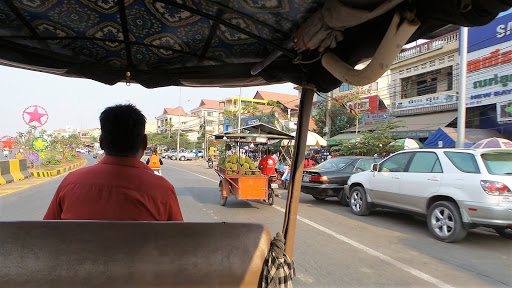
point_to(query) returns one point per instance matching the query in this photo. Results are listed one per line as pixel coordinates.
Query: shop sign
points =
(364, 104)
(426, 101)
(489, 80)
(494, 33)
(504, 112)
(375, 118)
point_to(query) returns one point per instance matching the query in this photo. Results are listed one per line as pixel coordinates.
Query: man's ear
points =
(101, 143)
(145, 142)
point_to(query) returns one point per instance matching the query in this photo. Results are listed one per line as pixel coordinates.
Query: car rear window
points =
(334, 163)
(465, 162)
(498, 163)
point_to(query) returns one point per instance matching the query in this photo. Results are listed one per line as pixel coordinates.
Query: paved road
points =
(333, 248)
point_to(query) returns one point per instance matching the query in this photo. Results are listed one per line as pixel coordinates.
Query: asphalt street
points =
(333, 248)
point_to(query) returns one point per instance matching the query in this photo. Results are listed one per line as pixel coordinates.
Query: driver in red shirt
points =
(120, 187)
(267, 165)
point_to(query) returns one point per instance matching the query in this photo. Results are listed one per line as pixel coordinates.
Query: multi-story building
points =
(420, 89)
(286, 112)
(176, 118)
(209, 113)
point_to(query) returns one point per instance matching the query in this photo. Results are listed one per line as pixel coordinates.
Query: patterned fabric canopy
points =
(206, 42)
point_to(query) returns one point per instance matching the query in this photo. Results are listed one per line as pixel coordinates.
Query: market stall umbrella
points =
(314, 140)
(493, 143)
(408, 143)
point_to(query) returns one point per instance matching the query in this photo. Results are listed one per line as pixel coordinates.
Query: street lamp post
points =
(179, 126)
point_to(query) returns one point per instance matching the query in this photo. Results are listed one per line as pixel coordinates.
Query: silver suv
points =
(456, 189)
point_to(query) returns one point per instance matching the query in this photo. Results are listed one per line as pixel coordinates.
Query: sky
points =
(79, 102)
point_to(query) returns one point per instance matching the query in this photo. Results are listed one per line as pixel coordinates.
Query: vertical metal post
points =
(240, 111)
(299, 151)
(461, 112)
(179, 127)
(328, 115)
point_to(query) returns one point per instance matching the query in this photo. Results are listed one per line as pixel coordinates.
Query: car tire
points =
(504, 232)
(358, 201)
(445, 223)
(182, 158)
(344, 198)
(320, 198)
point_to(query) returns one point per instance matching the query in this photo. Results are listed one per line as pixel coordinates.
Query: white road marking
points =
(368, 250)
(216, 181)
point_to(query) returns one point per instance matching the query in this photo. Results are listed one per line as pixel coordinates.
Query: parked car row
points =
(183, 155)
(453, 189)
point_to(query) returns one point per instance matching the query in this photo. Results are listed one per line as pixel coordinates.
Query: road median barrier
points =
(13, 170)
(59, 170)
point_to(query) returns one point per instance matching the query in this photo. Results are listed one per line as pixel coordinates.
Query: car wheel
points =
(319, 197)
(344, 198)
(182, 158)
(504, 232)
(358, 201)
(445, 223)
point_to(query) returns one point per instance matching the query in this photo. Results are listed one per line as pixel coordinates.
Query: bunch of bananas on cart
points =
(244, 164)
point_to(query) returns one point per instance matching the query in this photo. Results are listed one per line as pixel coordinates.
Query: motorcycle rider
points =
(210, 162)
(155, 162)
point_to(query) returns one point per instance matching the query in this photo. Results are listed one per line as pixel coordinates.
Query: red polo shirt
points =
(115, 189)
(269, 165)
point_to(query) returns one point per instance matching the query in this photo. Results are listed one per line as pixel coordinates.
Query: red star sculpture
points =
(8, 143)
(35, 116)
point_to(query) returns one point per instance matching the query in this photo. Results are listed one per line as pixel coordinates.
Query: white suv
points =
(456, 189)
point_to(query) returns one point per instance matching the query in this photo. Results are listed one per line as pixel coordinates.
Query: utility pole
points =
(461, 111)
(179, 126)
(328, 115)
(205, 144)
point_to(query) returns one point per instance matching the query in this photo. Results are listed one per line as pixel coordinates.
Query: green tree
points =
(341, 119)
(371, 142)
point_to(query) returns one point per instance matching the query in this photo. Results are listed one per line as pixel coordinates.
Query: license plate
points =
(305, 178)
(273, 185)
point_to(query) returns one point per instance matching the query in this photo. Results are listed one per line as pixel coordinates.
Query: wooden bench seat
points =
(40, 254)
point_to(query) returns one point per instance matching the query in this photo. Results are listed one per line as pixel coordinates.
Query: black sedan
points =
(328, 178)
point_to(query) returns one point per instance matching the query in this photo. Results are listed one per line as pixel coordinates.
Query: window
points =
(465, 162)
(425, 162)
(427, 86)
(395, 163)
(499, 163)
(365, 164)
(346, 87)
(209, 114)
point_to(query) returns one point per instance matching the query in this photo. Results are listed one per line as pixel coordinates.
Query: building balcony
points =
(426, 47)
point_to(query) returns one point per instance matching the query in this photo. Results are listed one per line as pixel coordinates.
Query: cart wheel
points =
(271, 197)
(223, 199)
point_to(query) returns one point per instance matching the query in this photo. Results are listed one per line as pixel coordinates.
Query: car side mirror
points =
(375, 167)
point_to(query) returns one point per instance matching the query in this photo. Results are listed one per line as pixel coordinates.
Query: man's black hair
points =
(122, 130)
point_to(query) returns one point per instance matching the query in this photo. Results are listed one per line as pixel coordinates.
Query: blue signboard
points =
(496, 32)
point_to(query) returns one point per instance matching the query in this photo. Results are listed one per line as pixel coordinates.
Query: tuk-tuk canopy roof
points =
(231, 43)
(251, 132)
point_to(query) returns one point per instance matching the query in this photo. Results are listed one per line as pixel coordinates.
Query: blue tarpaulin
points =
(448, 137)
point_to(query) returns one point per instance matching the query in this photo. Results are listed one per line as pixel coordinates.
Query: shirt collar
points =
(123, 161)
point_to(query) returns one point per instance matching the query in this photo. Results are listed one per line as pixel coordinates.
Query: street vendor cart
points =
(240, 176)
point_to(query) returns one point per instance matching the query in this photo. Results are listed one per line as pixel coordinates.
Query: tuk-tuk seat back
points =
(131, 254)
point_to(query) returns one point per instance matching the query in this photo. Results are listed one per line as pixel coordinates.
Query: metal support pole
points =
(328, 115)
(240, 111)
(461, 112)
(179, 127)
(299, 151)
